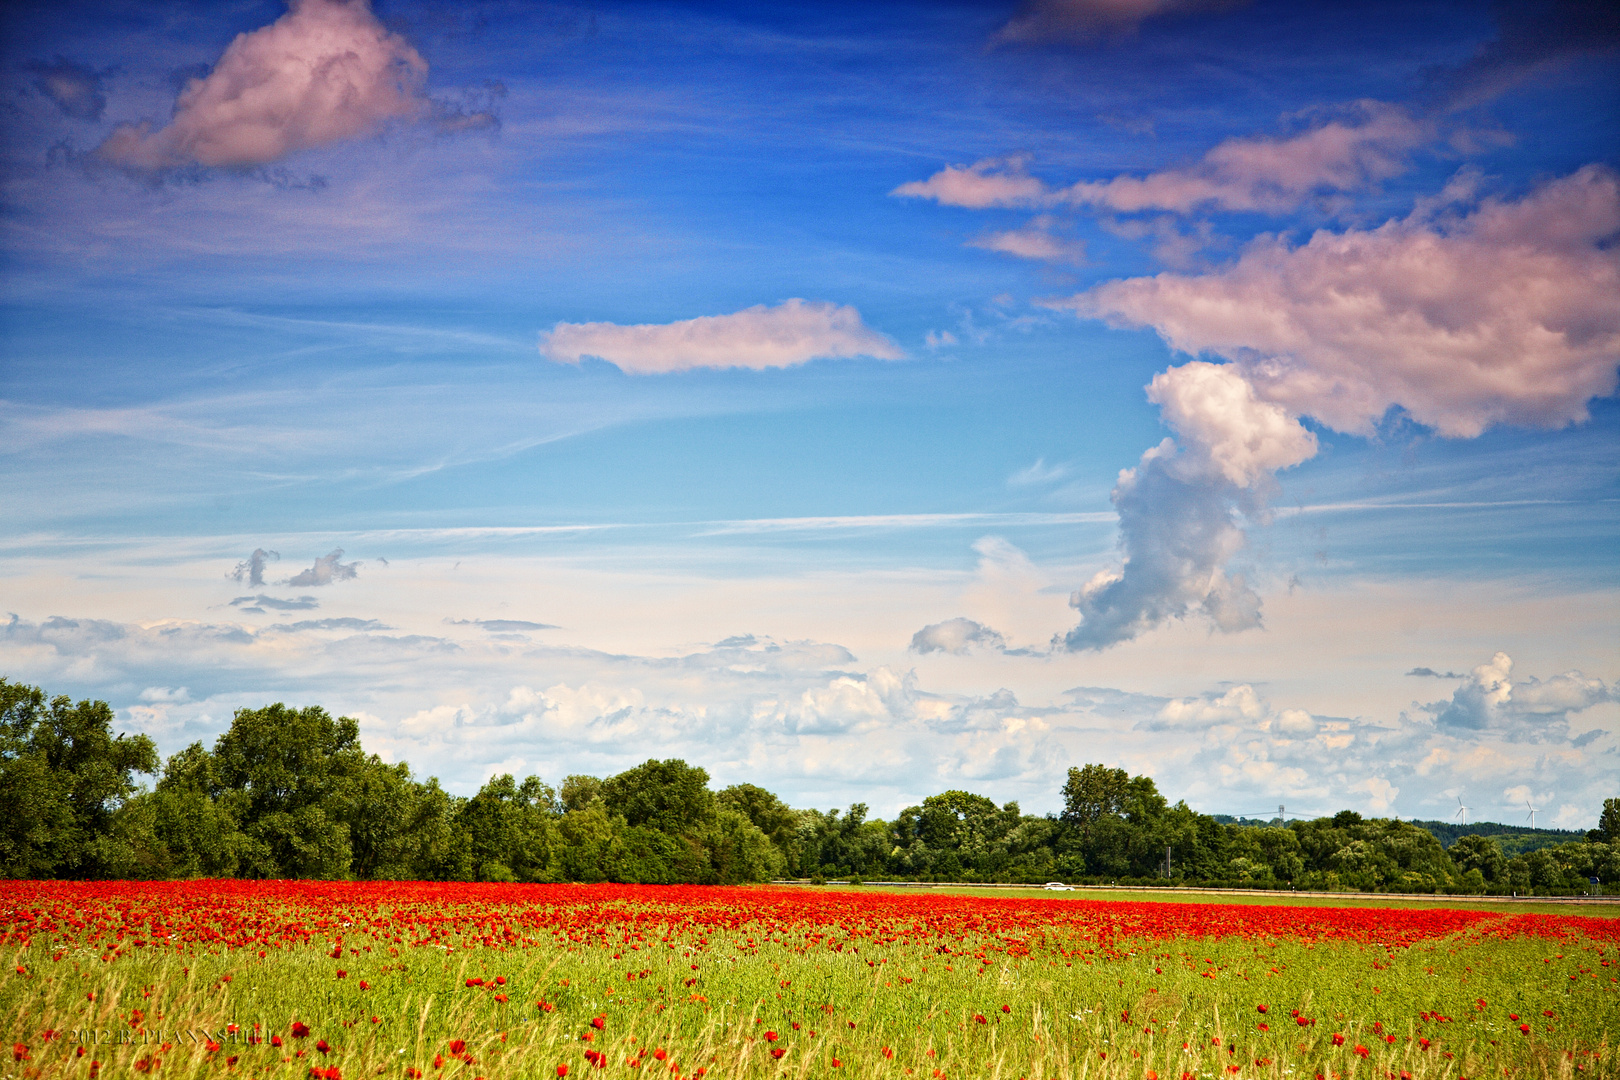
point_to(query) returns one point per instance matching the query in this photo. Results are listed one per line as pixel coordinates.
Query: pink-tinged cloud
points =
(1510, 314)
(1271, 174)
(1370, 142)
(1046, 21)
(324, 72)
(1034, 241)
(993, 182)
(792, 332)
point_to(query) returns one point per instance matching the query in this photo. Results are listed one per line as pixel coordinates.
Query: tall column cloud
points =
(1460, 320)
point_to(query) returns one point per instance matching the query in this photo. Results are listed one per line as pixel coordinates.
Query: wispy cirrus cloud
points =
(348, 623)
(501, 626)
(1039, 22)
(260, 603)
(790, 333)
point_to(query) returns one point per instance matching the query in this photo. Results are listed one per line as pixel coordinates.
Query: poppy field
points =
(411, 980)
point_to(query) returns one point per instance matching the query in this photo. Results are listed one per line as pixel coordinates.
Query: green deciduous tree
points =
(769, 814)
(64, 778)
(1609, 821)
(510, 830)
(1478, 853)
(291, 777)
(670, 796)
(1092, 794)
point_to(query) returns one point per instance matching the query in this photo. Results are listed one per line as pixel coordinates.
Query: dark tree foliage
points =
(670, 796)
(1609, 821)
(64, 778)
(291, 793)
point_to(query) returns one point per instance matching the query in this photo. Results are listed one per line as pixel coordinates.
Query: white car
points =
(1058, 886)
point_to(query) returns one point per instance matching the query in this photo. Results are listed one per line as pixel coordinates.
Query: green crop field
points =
(334, 980)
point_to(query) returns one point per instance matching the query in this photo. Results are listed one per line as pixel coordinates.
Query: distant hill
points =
(1512, 839)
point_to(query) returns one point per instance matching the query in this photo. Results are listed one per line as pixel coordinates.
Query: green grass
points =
(1600, 908)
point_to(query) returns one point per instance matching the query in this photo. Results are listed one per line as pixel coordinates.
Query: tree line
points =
(291, 793)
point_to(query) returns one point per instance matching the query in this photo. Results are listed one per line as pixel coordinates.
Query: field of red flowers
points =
(331, 979)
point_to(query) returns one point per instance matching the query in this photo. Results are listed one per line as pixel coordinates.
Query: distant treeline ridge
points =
(290, 793)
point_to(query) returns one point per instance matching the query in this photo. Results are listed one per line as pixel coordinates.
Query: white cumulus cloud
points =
(793, 332)
(1534, 709)
(956, 636)
(1232, 432)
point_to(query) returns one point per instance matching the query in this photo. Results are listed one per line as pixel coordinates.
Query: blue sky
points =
(755, 385)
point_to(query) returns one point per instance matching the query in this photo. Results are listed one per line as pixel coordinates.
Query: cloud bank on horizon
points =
(1361, 308)
(751, 707)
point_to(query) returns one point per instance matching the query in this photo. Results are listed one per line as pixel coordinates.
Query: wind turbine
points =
(1532, 814)
(1462, 811)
